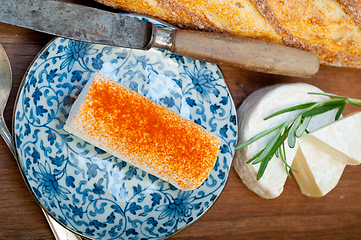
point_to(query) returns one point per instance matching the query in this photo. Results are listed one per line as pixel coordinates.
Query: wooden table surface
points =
(238, 213)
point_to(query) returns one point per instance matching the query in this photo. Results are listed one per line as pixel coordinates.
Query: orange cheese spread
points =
(144, 133)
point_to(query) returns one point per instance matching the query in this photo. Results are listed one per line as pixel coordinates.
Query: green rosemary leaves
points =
(293, 129)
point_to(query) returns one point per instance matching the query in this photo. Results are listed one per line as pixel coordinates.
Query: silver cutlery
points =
(60, 233)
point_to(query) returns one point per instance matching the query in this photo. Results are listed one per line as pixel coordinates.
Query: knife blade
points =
(93, 25)
(76, 22)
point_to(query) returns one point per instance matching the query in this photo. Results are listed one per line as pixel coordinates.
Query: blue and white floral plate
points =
(91, 192)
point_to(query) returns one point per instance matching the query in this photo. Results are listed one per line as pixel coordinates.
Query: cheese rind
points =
(253, 110)
(318, 171)
(137, 130)
(341, 139)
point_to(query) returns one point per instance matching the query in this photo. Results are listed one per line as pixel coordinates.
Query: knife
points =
(93, 25)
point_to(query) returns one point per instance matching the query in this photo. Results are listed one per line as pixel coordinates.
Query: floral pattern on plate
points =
(97, 194)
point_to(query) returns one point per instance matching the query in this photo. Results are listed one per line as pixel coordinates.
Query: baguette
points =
(322, 27)
(230, 16)
(327, 28)
(236, 17)
(353, 9)
(145, 134)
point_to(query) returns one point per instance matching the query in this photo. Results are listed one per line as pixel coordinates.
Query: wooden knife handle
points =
(244, 53)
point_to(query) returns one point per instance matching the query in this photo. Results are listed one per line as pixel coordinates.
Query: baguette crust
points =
(143, 133)
(318, 26)
(353, 8)
(236, 17)
(330, 29)
(164, 10)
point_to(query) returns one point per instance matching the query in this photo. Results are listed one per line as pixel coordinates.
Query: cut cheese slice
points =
(342, 139)
(254, 109)
(318, 171)
(137, 130)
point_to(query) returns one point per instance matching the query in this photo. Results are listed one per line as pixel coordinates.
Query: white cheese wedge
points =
(341, 139)
(318, 171)
(254, 109)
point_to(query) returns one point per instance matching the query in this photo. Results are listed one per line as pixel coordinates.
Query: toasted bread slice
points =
(322, 27)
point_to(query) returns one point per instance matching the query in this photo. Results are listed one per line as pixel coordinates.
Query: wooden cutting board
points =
(238, 213)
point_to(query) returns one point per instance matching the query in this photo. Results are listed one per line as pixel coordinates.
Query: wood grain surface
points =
(238, 213)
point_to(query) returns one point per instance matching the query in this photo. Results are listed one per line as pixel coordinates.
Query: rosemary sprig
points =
(293, 129)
